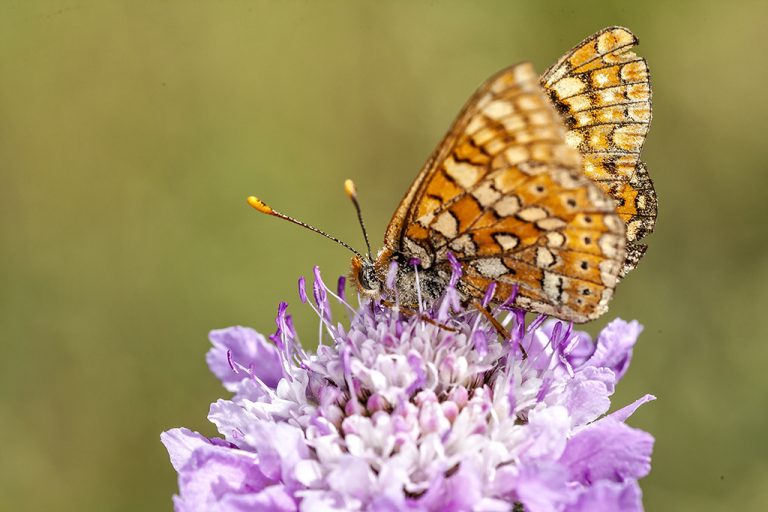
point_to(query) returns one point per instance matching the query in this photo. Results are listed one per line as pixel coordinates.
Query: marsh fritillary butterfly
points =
(536, 187)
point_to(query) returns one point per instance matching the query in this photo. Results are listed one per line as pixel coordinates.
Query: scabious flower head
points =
(423, 411)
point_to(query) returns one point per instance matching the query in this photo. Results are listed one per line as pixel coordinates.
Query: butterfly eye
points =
(367, 277)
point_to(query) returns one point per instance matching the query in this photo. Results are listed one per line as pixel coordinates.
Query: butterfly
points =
(537, 187)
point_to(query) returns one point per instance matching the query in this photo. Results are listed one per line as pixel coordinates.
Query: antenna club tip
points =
(349, 189)
(259, 205)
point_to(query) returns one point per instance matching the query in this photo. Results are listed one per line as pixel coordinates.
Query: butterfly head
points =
(365, 276)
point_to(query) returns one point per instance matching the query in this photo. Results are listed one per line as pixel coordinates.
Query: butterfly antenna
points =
(351, 191)
(264, 208)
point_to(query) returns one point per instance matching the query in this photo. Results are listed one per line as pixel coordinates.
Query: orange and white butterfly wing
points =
(507, 195)
(602, 89)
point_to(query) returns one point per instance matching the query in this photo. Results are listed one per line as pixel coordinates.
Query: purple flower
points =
(408, 412)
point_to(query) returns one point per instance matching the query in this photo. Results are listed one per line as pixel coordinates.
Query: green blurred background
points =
(131, 133)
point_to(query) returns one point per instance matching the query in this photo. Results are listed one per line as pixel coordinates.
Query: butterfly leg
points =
(504, 333)
(495, 323)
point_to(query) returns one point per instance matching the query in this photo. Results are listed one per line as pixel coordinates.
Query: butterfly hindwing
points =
(602, 89)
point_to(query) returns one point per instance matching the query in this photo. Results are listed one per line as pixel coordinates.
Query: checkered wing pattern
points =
(602, 90)
(507, 194)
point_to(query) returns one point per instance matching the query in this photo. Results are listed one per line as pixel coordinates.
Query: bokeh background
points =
(131, 133)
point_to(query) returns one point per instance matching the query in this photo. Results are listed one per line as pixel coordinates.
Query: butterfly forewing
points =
(602, 89)
(507, 195)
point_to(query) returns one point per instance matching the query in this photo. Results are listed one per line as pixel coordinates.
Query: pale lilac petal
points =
(542, 487)
(548, 431)
(275, 498)
(465, 488)
(607, 496)
(352, 477)
(180, 443)
(625, 412)
(458, 493)
(247, 349)
(213, 474)
(491, 505)
(608, 450)
(180, 506)
(391, 479)
(614, 346)
(386, 504)
(325, 501)
(231, 419)
(280, 447)
(586, 397)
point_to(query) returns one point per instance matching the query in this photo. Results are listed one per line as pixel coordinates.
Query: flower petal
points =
(247, 349)
(541, 486)
(586, 395)
(548, 430)
(352, 477)
(608, 450)
(625, 412)
(614, 346)
(605, 496)
(213, 474)
(460, 492)
(180, 443)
